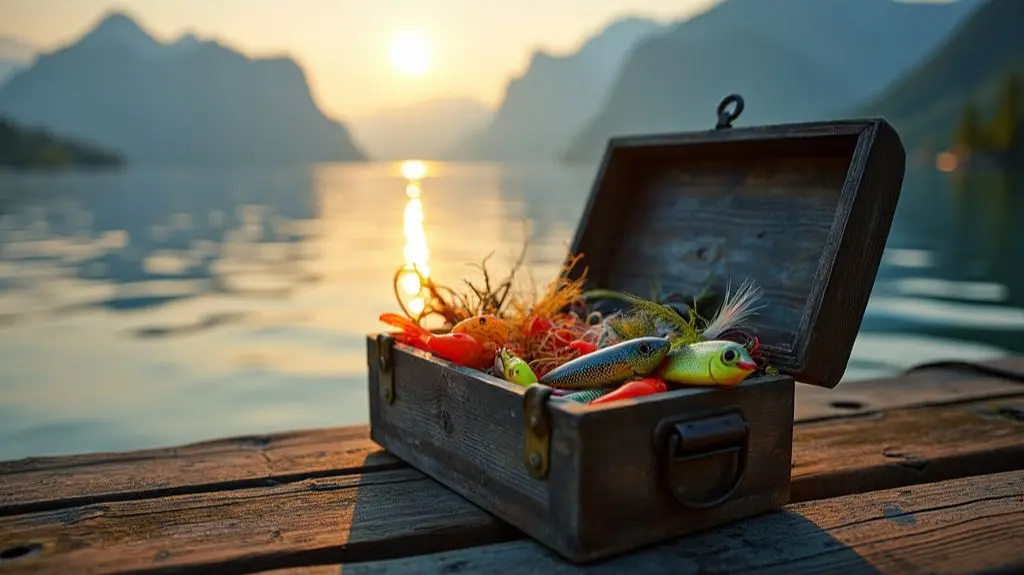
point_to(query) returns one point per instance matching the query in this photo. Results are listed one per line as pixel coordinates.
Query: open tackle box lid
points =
(804, 210)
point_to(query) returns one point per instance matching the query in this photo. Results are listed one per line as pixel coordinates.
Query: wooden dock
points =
(924, 473)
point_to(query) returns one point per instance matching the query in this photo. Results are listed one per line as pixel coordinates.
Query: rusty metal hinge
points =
(537, 432)
(725, 117)
(385, 365)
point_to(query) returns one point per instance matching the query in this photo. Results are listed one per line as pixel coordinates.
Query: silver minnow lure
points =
(611, 365)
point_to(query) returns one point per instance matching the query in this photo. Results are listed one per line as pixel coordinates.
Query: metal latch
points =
(385, 363)
(537, 432)
(703, 458)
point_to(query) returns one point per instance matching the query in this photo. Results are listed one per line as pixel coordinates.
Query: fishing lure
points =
(486, 329)
(458, 348)
(537, 325)
(582, 347)
(587, 395)
(512, 368)
(717, 362)
(631, 389)
(645, 319)
(610, 365)
(648, 318)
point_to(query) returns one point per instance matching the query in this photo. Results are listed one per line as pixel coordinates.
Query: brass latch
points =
(537, 432)
(704, 458)
(386, 363)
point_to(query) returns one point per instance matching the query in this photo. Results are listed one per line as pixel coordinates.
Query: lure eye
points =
(729, 356)
(483, 320)
(645, 348)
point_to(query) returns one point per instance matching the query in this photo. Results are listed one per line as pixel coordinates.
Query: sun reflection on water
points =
(414, 170)
(415, 250)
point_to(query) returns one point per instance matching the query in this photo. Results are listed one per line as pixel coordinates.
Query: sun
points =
(410, 54)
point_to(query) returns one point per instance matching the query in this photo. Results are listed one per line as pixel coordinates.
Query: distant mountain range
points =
(425, 130)
(188, 101)
(14, 55)
(195, 100)
(927, 103)
(792, 60)
(549, 103)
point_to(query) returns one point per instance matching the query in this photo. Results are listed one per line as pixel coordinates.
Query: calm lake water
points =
(159, 305)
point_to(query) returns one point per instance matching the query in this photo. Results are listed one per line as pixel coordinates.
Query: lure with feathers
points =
(646, 318)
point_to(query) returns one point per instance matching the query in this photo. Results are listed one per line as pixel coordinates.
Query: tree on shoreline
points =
(1006, 124)
(25, 148)
(1003, 134)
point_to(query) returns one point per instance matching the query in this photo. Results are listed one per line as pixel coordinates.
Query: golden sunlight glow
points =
(410, 54)
(416, 306)
(413, 169)
(415, 250)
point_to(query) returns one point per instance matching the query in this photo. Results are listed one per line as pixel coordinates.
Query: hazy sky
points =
(474, 45)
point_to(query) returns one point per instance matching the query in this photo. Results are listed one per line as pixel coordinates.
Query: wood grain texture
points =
(37, 484)
(973, 525)
(400, 512)
(919, 388)
(59, 482)
(804, 210)
(312, 570)
(321, 521)
(907, 446)
(465, 430)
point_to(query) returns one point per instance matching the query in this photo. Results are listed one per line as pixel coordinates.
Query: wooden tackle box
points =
(802, 209)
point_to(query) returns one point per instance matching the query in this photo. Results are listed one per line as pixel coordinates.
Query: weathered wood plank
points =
(312, 570)
(973, 525)
(313, 522)
(400, 512)
(919, 388)
(905, 447)
(38, 484)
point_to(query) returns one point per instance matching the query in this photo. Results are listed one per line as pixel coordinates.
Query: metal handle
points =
(694, 448)
(726, 118)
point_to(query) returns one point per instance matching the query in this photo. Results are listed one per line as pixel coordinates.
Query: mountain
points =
(553, 98)
(791, 60)
(970, 66)
(425, 130)
(14, 55)
(23, 148)
(191, 101)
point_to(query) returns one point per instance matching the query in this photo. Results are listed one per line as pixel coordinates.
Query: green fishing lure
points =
(720, 362)
(513, 368)
(651, 319)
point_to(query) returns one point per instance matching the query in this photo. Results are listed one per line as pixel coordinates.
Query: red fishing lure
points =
(459, 348)
(539, 325)
(631, 389)
(583, 347)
